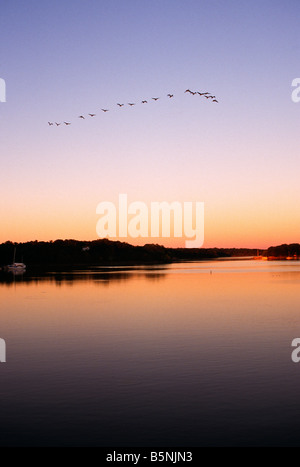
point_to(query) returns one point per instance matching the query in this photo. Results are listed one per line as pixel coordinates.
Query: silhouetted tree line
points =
(103, 252)
(284, 251)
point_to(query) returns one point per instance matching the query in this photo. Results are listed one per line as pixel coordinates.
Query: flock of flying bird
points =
(207, 95)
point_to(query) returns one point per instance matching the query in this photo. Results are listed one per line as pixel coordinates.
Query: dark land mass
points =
(73, 253)
(284, 251)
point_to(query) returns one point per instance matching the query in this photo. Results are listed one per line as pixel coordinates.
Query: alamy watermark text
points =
(2, 351)
(296, 91)
(162, 219)
(2, 90)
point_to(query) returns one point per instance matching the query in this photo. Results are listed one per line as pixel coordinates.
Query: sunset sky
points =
(62, 59)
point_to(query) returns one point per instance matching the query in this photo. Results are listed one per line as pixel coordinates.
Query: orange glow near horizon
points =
(251, 226)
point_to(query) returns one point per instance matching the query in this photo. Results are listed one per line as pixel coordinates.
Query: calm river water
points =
(190, 354)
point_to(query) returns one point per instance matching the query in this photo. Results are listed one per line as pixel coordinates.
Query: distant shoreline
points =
(104, 252)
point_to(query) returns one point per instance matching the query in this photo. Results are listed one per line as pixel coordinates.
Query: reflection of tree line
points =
(105, 252)
(62, 278)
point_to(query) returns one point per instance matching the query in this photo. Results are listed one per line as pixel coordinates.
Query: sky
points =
(240, 157)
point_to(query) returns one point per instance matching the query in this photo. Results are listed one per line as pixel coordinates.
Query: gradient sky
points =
(61, 59)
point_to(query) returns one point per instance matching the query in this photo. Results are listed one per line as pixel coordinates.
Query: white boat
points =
(16, 267)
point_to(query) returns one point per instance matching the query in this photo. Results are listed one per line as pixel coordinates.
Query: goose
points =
(170, 95)
(120, 105)
(155, 98)
(92, 115)
(104, 110)
(67, 123)
(129, 103)
(144, 102)
(50, 124)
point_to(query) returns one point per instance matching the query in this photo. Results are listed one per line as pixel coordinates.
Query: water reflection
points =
(104, 274)
(180, 355)
(99, 277)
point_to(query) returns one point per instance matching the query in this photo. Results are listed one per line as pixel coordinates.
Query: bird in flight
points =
(208, 95)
